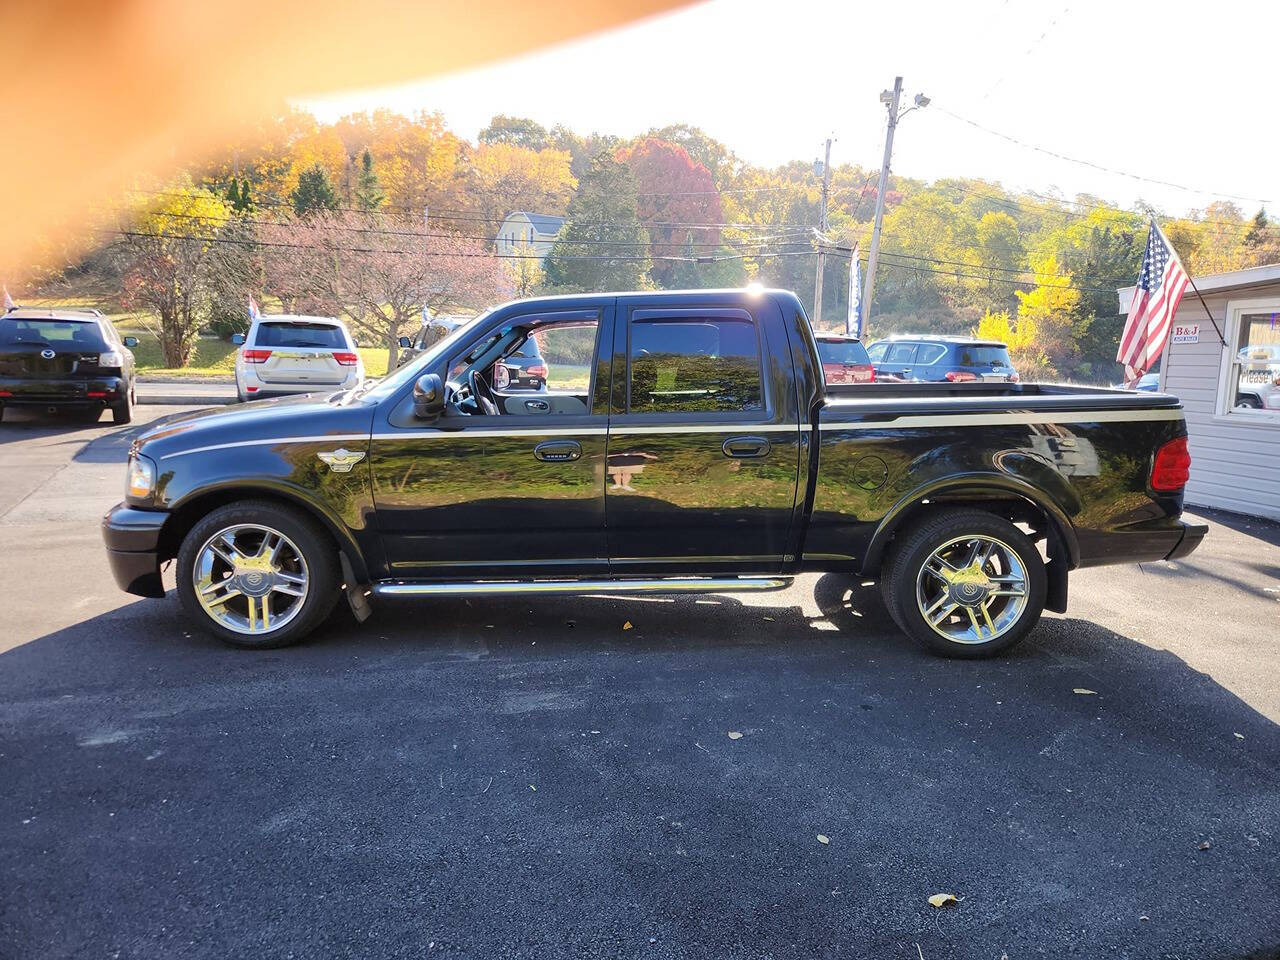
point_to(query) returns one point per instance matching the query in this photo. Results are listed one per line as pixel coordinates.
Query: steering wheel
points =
(481, 392)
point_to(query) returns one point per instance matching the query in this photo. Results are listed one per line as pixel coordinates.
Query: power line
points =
(1089, 163)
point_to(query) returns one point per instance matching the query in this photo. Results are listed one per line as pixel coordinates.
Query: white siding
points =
(1235, 464)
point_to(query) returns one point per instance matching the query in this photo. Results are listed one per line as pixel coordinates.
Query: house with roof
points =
(1222, 360)
(524, 232)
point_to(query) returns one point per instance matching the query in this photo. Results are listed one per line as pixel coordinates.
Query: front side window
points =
(877, 351)
(1253, 380)
(694, 365)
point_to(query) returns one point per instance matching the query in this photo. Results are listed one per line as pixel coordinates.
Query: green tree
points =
(602, 243)
(314, 192)
(369, 194)
(517, 131)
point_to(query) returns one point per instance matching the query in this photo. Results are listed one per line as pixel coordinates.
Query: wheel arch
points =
(1002, 495)
(187, 513)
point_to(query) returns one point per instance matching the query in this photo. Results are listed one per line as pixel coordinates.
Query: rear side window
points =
(901, 353)
(694, 366)
(56, 333)
(930, 353)
(324, 335)
(842, 351)
(983, 356)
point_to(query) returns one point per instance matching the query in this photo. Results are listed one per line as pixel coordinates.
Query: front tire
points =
(965, 584)
(257, 574)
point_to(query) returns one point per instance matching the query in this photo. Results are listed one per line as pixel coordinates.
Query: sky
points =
(1173, 92)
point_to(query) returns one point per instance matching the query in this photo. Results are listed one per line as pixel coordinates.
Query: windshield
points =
(381, 389)
(842, 351)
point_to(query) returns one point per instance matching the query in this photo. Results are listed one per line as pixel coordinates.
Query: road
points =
(511, 778)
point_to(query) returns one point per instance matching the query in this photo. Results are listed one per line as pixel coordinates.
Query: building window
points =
(1250, 386)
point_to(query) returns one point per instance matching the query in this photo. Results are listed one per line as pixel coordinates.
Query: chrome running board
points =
(489, 588)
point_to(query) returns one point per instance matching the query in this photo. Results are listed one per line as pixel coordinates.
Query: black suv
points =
(61, 359)
(942, 359)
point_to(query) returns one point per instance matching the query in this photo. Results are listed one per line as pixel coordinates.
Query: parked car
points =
(937, 359)
(63, 359)
(525, 369)
(844, 359)
(286, 354)
(1148, 382)
(1259, 385)
(708, 439)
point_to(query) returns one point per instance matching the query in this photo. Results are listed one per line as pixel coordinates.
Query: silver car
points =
(286, 354)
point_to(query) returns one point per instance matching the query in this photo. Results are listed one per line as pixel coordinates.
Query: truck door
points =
(704, 438)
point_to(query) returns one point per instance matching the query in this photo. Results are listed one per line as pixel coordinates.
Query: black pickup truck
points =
(702, 453)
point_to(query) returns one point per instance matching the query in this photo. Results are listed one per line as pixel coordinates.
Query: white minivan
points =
(286, 354)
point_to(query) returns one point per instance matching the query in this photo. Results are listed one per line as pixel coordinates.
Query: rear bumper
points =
(132, 537)
(1192, 534)
(250, 386)
(90, 392)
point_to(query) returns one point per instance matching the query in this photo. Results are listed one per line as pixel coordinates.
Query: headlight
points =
(141, 483)
(112, 358)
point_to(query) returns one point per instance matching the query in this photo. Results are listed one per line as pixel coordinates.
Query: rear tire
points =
(965, 584)
(122, 412)
(303, 567)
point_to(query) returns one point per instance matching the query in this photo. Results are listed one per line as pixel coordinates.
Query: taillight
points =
(1014, 378)
(1171, 467)
(863, 373)
(255, 356)
(536, 370)
(346, 359)
(960, 376)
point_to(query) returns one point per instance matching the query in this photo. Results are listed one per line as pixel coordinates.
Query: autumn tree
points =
(602, 243)
(676, 198)
(378, 273)
(502, 177)
(170, 257)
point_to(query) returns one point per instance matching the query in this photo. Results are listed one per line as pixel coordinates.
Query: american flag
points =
(1161, 284)
(253, 309)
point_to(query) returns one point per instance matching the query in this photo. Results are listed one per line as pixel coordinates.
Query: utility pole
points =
(891, 99)
(822, 239)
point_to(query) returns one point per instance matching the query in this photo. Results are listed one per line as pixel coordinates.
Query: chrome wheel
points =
(972, 589)
(250, 579)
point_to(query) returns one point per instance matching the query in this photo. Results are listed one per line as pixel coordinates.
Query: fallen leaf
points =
(627, 625)
(734, 735)
(823, 839)
(1239, 736)
(1144, 918)
(533, 788)
(770, 619)
(943, 899)
(1206, 845)
(1084, 690)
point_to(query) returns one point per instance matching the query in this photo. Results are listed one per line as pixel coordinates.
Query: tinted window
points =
(301, 335)
(983, 356)
(684, 366)
(930, 353)
(842, 351)
(901, 353)
(84, 333)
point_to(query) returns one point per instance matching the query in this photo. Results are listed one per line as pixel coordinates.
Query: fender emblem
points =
(342, 459)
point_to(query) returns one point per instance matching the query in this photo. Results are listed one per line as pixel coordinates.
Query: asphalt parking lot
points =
(507, 778)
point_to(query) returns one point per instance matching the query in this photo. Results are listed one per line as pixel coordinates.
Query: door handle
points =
(746, 448)
(540, 405)
(558, 451)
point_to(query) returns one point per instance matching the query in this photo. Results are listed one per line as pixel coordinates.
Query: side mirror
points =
(405, 343)
(130, 341)
(237, 339)
(428, 397)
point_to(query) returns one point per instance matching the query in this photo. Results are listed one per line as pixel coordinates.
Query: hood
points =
(310, 415)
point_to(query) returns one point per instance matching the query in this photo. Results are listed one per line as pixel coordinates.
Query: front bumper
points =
(132, 537)
(1192, 534)
(54, 392)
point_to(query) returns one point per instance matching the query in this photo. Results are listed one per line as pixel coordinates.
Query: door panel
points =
(506, 495)
(691, 488)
